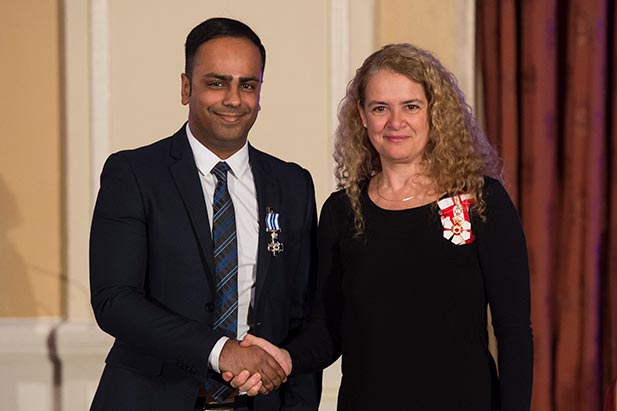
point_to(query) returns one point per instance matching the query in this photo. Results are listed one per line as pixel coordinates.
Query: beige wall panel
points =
(147, 57)
(145, 40)
(445, 27)
(77, 175)
(361, 33)
(30, 186)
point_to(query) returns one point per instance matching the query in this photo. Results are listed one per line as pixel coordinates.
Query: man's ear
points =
(185, 89)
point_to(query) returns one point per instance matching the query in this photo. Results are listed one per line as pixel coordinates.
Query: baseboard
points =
(80, 351)
(28, 375)
(50, 365)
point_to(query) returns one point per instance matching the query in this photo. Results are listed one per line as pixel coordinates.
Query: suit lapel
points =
(268, 195)
(185, 174)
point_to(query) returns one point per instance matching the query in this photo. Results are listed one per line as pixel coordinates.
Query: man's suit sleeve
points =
(118, 272)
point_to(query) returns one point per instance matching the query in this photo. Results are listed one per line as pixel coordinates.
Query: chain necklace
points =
(387, 199)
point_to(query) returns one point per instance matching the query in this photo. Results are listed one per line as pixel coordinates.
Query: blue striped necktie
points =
(225, 266)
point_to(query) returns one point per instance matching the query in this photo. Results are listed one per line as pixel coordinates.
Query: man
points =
(200, 238)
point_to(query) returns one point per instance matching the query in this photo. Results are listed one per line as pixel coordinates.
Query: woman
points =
(418, 240)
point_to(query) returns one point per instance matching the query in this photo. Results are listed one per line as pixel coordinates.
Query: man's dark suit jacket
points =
(152, 276)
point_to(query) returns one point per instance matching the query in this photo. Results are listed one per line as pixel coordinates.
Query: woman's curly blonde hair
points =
(457, 155)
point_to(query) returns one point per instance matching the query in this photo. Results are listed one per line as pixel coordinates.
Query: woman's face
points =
(395, 113)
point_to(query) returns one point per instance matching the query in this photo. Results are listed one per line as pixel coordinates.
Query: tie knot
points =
(220, 170)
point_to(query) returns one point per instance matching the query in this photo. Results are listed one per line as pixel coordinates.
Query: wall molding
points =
(50, 365)
(29, 378)
(100, 86)
(81, 348)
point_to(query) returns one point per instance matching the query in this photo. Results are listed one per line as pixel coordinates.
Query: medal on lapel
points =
(274, 228)
(455, 218)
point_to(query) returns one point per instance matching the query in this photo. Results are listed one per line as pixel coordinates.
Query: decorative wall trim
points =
(339, 54)
(339, 65)
(28, 372)
(465, 50)
(81, 348)
(81, 338)
(50, 365)
(100, 86)
(340, 45)
(79, 173)
(26, 336)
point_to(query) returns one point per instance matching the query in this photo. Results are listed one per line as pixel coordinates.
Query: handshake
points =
(254, 365)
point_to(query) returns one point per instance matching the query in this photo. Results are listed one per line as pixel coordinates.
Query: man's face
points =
(223, 93)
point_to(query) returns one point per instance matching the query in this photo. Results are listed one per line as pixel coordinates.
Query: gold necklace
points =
(387, 199)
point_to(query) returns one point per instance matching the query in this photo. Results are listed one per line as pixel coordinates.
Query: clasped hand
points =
(254, 365)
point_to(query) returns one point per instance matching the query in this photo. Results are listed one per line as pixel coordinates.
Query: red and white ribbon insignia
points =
(455, 218)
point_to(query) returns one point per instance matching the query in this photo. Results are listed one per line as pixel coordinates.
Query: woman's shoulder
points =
(491, 182)
(493, 186)
(337, 199)
(341, 196)
(337, 205)
(496, 195)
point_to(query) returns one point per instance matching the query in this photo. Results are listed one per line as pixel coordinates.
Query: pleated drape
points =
(548, 75)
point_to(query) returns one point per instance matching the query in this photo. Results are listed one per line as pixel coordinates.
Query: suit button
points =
(210, 307)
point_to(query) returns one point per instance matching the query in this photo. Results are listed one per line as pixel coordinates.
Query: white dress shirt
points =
(241, 186)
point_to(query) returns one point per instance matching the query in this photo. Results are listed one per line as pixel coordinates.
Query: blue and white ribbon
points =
(273, 227)
(272, 221)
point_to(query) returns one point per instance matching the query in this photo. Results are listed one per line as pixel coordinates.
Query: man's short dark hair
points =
(218, 27)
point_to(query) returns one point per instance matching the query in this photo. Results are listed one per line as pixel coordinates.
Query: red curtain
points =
(549, 82)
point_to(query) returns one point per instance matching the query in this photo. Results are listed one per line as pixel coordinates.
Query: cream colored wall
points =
(147, 57)
(30, 160)
(133, 55)
(445, 27)
(141, 103)
(121, 62)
